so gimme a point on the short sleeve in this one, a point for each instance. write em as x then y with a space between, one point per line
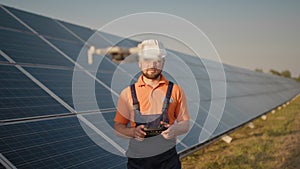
124 109
181 110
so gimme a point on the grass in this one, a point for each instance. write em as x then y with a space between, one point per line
273 143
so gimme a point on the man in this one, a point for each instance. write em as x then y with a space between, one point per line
152 112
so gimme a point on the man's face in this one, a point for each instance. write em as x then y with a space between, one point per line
151 69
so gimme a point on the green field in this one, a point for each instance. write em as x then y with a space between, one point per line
273 143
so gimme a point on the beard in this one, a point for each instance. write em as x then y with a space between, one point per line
152 75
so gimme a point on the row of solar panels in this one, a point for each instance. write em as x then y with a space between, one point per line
39 127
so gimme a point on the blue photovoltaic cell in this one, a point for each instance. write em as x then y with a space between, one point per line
60 82
8 22
107 117
221 128
20 97
71 49
105 122
192 138
237 89
107 70
43 25
204 89
180 147
82 32
99 41
200 72
235 112
59 143
2 59
78 53
118 41
28 48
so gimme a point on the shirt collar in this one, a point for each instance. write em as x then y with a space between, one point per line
141 82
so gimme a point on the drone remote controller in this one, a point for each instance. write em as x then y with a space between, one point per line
150 132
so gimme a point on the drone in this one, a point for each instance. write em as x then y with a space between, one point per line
117 53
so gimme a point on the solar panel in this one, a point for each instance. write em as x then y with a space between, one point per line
60 82
83 33
20 97
43 25
58 143
72 49
8 22
34 134
119 41
28 48
3 60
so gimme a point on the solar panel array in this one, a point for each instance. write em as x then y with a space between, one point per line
39 127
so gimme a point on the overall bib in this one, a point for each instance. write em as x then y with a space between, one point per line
152 152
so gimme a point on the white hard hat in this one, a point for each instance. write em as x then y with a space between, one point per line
152 49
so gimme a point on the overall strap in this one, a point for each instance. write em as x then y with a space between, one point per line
166 103
135 101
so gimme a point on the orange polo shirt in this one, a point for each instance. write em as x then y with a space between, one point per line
151 101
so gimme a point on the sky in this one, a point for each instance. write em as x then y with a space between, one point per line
249 34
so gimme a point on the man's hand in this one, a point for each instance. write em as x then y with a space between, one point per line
175 129
169 133
138 133
130 132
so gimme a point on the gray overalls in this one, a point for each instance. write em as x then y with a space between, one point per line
153 152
